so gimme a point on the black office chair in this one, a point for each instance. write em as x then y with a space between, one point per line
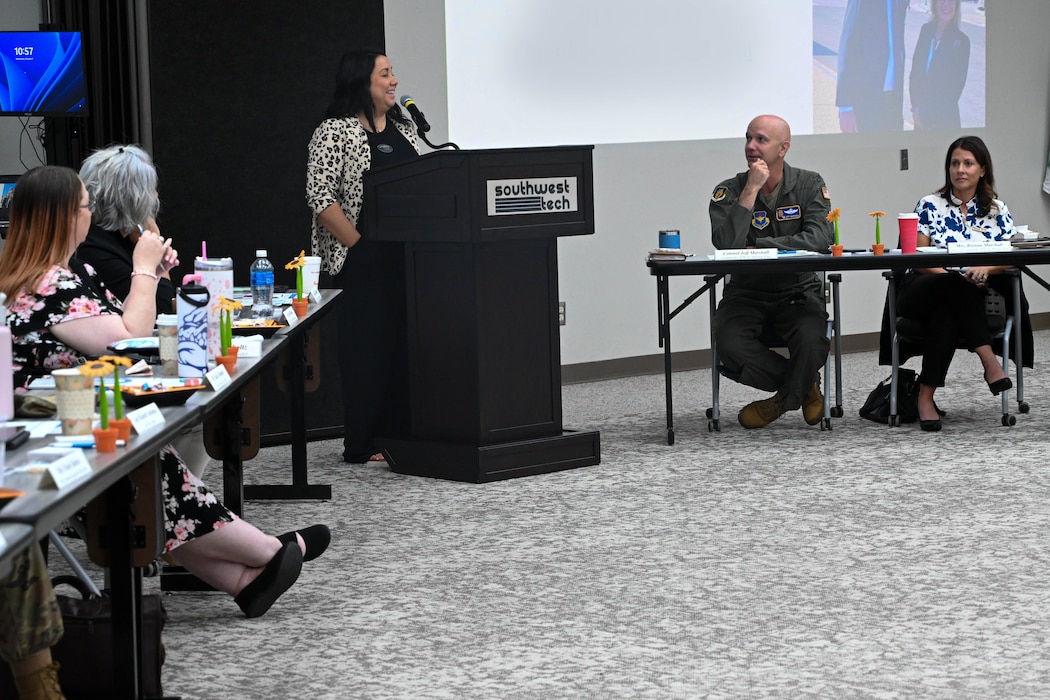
833 333
1005 329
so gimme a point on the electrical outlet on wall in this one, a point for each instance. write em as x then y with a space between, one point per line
561 313
904 159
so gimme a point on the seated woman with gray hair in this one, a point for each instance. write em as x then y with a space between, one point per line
122 182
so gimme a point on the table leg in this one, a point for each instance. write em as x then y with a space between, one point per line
664 320
125 590
295 363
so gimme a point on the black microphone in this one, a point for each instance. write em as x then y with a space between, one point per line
421 122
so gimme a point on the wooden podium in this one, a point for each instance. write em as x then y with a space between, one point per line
480 230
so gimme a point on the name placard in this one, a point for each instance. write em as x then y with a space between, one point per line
146 418
980 246
218 378
289 316
315 296
62 466
746 254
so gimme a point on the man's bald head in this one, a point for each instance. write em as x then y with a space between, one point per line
768 138
773 125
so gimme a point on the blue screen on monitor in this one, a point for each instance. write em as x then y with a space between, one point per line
42 74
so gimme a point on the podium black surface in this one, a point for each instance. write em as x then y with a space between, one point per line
480 231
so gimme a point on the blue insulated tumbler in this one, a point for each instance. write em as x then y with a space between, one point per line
670 240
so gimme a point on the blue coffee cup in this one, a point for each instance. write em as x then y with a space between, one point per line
671 240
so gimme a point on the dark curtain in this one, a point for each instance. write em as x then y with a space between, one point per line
111 67
235 88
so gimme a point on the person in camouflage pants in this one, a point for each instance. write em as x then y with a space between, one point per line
30 624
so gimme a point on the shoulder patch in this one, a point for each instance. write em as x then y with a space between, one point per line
759 220
719 194
824 191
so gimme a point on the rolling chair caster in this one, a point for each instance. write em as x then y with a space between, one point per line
1009 420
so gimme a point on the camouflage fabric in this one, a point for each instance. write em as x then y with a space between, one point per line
30 620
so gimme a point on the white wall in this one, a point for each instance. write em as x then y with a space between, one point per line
641 188
19 15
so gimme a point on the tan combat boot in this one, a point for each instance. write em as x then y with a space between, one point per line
41 684
813 405
759 414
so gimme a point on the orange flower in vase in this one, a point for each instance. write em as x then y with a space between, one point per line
225 308
878 248
833 216
299 303
105 436
119 421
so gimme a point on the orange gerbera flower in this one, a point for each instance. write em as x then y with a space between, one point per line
297 262
116 360
96 368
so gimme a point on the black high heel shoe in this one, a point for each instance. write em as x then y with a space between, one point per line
1000 385
930 426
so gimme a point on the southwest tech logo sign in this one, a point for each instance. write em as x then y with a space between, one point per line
542 195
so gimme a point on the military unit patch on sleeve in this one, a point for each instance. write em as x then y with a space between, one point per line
719 194
824 191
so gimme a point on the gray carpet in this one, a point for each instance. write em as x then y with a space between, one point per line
864 562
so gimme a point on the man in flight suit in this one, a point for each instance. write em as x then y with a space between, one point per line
773 205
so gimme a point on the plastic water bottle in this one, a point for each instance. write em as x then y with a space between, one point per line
262 285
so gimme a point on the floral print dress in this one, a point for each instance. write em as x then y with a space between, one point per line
67 293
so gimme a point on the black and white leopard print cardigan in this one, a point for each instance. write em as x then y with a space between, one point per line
339 158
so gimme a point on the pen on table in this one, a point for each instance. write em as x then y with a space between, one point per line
91 445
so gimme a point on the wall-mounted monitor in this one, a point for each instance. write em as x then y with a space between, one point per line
42 74
7 188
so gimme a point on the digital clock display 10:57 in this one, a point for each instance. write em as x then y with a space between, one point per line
24 51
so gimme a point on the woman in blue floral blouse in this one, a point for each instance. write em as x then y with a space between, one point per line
951 303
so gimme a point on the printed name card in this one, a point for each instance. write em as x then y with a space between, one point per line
218 379
980 246
315 296
62 466
746 254
146 418
289 317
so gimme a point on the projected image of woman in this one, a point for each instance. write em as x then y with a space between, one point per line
363 128
939 67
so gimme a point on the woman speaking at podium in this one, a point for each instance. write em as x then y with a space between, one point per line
363 128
